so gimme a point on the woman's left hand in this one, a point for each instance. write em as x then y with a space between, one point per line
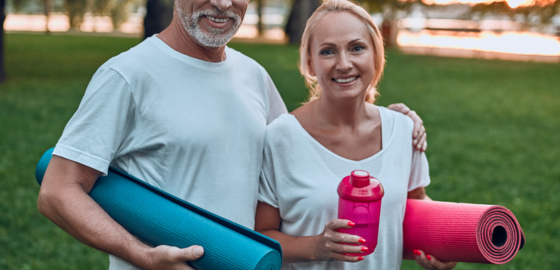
419 133
431 263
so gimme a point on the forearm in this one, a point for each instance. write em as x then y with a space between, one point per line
294 249
418 194
72 209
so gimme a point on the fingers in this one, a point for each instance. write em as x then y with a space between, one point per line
332 235
421 143
399 107
186 254
346 258
430 262
336 224
442 265
418 124
421 259
344 248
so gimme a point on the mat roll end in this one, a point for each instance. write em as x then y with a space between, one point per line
42 165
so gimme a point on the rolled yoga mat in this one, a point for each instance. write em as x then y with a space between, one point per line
159 218
461 232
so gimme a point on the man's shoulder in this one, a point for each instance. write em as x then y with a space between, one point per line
242 59
133 59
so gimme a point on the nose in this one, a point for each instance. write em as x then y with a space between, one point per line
221 5
343 63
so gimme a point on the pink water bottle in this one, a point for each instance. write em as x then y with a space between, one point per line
360 201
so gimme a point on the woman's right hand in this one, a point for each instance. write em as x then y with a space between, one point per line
328 246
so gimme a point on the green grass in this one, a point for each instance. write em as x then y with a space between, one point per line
493 130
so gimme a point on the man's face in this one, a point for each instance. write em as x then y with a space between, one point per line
212 23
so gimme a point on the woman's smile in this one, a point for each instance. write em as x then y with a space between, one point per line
346 80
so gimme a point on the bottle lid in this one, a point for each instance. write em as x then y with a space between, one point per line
360 186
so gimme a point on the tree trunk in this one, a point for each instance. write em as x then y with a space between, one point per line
389 31
301 11
260 30
47 10
2 18
159 14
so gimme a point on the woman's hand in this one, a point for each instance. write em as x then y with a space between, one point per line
328 246
419 133
431 263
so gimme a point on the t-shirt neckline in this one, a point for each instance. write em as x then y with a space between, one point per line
209 66
387 139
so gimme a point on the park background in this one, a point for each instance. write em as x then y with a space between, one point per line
484 76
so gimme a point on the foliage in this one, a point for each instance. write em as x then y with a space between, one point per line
19 4
389 8
541 12
101 7
119 12
75 9
492 129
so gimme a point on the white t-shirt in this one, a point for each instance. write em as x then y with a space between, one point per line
300 177
193 128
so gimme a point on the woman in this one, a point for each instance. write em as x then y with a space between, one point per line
338 131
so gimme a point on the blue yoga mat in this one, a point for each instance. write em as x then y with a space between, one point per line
159 218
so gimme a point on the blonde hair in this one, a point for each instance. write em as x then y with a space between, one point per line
378 50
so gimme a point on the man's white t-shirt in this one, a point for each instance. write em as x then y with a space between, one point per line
300 177
193 128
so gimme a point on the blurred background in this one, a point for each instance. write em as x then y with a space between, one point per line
484 76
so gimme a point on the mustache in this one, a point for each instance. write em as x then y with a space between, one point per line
216 13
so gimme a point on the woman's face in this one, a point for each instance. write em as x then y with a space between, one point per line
341 56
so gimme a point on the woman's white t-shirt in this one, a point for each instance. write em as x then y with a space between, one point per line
300 177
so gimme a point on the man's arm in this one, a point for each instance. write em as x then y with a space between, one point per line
64 200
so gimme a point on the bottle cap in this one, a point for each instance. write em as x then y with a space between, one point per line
360 186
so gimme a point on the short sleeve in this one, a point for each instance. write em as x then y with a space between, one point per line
267 191
267 181
420 171
276 106
96 131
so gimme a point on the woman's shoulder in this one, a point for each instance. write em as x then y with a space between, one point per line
282 128
396 119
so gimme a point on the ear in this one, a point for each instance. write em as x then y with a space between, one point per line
310 67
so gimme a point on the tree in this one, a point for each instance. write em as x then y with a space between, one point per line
159 14
100 8
119 13
301 11
260 28
2 19
75 9
390 10
538 14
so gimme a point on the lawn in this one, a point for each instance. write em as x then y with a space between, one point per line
493 127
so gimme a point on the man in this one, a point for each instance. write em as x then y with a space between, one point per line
182 112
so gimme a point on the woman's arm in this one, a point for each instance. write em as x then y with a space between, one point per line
323 247
419 194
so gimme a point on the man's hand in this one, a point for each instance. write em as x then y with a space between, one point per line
173 258
419 132
431 263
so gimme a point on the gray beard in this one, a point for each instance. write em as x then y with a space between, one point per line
212 37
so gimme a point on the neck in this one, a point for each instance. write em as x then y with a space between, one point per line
176 37
348 113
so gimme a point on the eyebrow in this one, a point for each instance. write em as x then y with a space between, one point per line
332 44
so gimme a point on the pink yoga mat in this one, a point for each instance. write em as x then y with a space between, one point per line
461 232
